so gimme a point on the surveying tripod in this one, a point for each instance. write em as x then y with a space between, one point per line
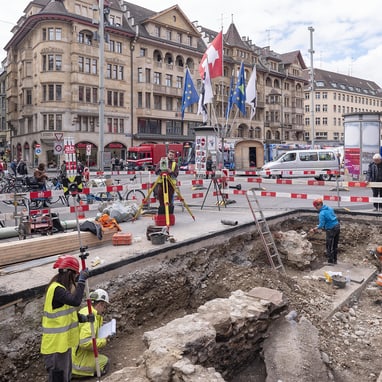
166 181
220 196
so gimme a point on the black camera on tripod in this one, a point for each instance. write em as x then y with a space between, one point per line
73 188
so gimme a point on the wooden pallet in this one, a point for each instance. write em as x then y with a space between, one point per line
35 248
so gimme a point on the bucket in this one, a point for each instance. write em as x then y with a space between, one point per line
158 237
339 281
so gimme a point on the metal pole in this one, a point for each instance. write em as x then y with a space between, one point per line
311 51
101 116
132 49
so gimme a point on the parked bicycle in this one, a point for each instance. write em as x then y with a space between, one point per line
132 192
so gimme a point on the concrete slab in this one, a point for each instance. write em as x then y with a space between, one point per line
360 277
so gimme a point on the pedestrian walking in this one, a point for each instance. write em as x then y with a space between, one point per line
60 331
327 221
374 174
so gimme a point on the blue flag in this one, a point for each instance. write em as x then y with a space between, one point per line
238 96
190 95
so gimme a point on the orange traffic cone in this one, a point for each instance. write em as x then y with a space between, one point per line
379 279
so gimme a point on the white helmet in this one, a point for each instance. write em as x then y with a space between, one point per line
99 295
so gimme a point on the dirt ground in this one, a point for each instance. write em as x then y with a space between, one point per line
350 341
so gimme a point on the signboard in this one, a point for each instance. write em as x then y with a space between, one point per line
88 150
59 136
37 149
70 149
58 147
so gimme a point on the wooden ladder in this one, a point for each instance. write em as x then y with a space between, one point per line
264 231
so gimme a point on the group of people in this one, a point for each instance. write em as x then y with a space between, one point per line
19 167
67 342
116 163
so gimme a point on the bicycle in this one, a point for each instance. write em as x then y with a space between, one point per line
133 192
52 184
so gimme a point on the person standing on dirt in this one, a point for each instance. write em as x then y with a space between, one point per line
83 355
60 331
172 171
327 220
374 174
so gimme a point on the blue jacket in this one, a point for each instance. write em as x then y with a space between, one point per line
327 219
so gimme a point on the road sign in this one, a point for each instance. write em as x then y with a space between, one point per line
37 149
88 150
59 136
58 147
70 149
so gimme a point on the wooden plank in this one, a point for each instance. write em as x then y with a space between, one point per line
25 250
19 267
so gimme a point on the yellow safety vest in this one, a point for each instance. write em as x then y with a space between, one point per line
59 326
83 361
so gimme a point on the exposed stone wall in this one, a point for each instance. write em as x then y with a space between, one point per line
210 344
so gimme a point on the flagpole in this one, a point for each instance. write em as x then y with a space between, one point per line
223 127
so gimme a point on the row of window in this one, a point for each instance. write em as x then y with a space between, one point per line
317 121
346 98
89 94
168 34
53 122
53 62
86 94
336 109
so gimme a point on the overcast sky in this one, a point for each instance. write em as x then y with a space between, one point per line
347 36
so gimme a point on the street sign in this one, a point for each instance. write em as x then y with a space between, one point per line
59 136
70 149
58 147
88 150
37 149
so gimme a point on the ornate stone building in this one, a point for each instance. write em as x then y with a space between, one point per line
53 80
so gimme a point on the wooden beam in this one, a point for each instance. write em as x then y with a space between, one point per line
35 248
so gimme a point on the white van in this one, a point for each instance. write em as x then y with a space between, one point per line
294 163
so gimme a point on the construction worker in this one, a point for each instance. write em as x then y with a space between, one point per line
172 170
83 355
60 332
328 221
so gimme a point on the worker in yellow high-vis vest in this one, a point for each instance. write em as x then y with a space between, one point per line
172 171
84 364
60 331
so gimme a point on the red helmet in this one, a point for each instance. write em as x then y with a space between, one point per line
317 202
67 262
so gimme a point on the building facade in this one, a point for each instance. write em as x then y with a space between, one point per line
335 95
53 82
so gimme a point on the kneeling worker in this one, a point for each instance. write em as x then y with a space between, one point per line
83 359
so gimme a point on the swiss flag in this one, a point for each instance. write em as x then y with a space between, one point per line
214 58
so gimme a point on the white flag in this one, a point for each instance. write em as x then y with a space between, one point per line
250 92
206 95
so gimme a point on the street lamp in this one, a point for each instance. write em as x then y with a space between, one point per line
101 115
311 51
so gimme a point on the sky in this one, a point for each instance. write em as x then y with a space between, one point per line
347 35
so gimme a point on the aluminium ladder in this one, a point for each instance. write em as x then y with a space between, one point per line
264 231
